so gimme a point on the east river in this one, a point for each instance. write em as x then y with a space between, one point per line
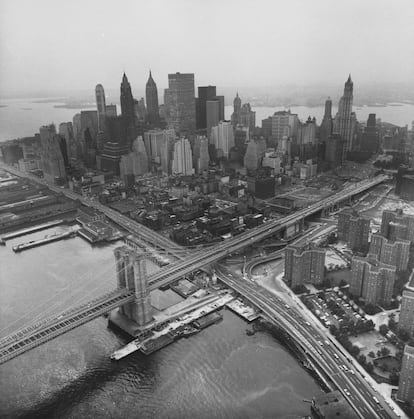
219 373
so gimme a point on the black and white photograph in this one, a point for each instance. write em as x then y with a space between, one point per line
206 209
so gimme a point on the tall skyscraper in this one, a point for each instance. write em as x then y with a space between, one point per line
179 100
160 146
236 110
304 265
134 163
101 106
212 114
370 137
51 155
222 137
406 384
151 95
354 230
127 103
182 158
205 93
325 130
343 120
406 318
200 154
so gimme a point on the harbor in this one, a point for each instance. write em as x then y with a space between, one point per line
32 229
47 239
183 326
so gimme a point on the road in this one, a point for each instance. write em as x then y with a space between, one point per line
330 358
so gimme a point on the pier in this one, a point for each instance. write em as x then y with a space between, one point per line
45 240
32 229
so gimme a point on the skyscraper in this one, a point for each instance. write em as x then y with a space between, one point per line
223 138
406 384
180 103
354 230
151 95
182 158
406 318
160 145
101 106
325 129
343 120
304 265
236 110
127 103
212 114
200 154
395 253
51 155
205 93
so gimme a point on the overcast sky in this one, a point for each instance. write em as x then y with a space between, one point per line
75 44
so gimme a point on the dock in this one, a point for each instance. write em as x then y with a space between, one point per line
32 229
173 329
248 313
45 240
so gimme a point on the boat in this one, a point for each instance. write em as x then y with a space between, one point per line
189 331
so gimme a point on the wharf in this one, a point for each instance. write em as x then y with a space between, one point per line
207 320
45 240
32 229
247 312
174 327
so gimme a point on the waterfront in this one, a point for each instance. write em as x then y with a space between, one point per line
23 117
218 373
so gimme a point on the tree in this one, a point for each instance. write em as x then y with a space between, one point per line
355 351
369 367
394 378
403 335
385 351
362 359
333 329
371 354
383 329
392 324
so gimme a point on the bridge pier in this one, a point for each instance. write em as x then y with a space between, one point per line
132 275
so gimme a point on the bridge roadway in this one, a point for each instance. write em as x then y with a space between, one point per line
324 353
25 339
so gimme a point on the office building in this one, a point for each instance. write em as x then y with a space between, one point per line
371 280
353 230
247 117
127 103
235 117
212 115
370 136
134 163
252 156
179 100
404 186
325 130
111 110
304 265
66 131
307 132
160 146
151 95
182 163
406 384
343 119
335 151
101 106
406 317
222 137
395 253
200 154
284 124
111 157
51 156
205 94
397 225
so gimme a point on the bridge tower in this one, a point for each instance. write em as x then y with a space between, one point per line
132 274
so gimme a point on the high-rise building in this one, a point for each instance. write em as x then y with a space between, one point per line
247 117
222 137
111 110
179 100
304 265
205 93
66 131
200 154
160 146
354 230
182 158
140 111
406 317
212 114
111 157
370 136
397 225
371 280
343 119
284 124
127 103
325 130
151 95
51 155
406 384
101 106
136 162
404 186
252 156
395 253
235 117
335 150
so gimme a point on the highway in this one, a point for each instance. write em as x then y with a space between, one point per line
323 352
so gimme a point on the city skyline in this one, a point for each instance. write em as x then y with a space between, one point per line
313 46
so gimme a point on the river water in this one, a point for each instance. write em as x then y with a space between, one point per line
219 373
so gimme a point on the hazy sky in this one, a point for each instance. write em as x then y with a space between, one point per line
75 44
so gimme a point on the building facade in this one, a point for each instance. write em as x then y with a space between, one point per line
182 158
395 253
354 230
151 96
406 317
343 119
406 384
101 106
